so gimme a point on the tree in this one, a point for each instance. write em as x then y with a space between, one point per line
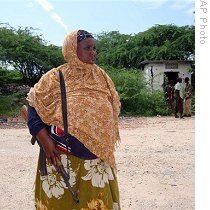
31 56
112 49
27 53
160 42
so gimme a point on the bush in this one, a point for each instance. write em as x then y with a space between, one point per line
136 98
9 76
10 104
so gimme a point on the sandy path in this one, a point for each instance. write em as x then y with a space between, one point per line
155 165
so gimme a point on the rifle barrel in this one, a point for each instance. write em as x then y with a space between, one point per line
66 177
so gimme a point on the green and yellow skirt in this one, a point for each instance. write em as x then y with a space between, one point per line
94 180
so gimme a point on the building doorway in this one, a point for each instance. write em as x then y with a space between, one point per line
170 76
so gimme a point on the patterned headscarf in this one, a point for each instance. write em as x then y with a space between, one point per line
92 102
81 35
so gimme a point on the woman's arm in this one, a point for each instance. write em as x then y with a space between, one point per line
39 129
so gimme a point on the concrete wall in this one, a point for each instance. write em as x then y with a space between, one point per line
158 73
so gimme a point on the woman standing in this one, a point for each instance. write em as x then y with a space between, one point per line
93 107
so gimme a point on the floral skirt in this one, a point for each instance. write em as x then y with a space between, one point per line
94 180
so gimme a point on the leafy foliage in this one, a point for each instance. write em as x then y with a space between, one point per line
7 77
10 104
136 98
160 42
27 53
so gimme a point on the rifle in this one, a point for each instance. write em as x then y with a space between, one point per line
42 160
66 177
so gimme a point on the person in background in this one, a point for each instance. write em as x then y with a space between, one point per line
93 107
169 96
179 96
187 98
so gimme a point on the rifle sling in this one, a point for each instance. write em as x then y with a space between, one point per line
63 173
64 105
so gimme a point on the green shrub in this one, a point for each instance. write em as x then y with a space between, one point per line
10 104
136 98
9 76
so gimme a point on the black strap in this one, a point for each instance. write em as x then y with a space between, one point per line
64 104
64 174
64 113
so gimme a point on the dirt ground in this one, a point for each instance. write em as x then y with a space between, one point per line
155 164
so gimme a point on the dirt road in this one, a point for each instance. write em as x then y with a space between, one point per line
155 165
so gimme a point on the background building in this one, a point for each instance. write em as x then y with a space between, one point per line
159 72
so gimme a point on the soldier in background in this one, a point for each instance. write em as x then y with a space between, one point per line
169 96
179 96
187 98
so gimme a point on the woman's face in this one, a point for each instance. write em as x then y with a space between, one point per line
86 50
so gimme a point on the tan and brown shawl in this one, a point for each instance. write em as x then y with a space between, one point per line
92 102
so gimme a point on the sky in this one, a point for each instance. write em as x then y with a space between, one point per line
54 18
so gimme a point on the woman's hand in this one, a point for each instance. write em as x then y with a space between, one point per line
48 146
